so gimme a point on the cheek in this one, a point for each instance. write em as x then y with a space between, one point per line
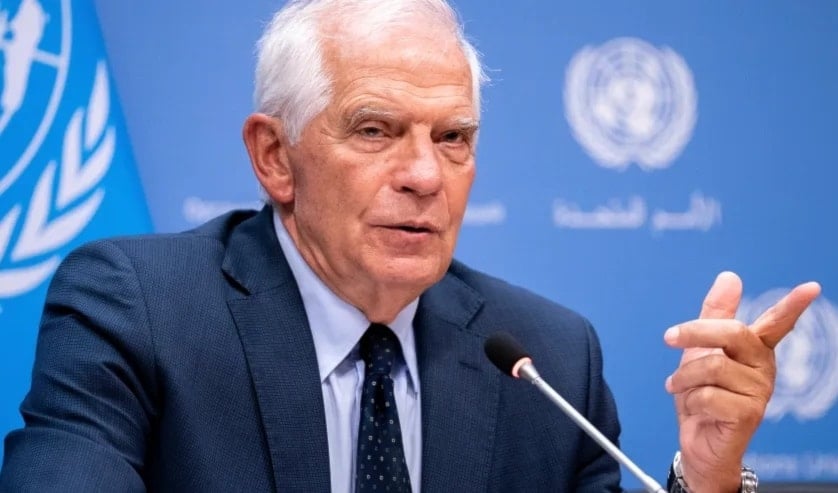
337 197
318 196
322 180
458 189
352 175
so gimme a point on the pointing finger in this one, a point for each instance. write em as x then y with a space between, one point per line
723 298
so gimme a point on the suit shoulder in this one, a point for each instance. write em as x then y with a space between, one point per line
563 342
206 238
185 255
517 303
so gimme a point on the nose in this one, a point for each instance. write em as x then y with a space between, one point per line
421 170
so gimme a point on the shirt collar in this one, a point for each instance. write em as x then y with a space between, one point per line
337 326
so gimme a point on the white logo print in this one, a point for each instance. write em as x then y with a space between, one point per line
52 215
807 369
629 102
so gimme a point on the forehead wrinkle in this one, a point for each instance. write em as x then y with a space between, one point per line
353 63
386 100
399 98
381 80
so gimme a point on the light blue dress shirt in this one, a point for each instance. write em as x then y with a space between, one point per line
337 327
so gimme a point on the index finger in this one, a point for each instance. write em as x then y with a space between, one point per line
778 320
723 298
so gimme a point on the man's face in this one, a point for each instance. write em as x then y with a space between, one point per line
381 177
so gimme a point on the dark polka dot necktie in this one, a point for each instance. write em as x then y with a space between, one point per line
381 464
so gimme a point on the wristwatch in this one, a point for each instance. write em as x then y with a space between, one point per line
676 483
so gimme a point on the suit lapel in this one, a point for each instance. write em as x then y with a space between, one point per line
460 390
280 355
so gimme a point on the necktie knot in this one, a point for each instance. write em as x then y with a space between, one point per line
379 349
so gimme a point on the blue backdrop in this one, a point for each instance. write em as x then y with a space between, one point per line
629 152
67 175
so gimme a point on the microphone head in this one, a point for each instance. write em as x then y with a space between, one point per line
505 353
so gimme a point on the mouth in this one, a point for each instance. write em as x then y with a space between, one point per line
409 238
414 228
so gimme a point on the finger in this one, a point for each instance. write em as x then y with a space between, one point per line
724 406
778 320
723 298
733 337
719 371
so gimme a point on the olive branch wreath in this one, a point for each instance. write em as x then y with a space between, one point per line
656 154
86 156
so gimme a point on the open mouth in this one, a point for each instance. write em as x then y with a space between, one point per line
413 229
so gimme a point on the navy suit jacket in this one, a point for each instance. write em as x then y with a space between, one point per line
185 363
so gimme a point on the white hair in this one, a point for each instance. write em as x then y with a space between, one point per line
291 80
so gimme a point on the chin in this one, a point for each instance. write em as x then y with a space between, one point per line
412 273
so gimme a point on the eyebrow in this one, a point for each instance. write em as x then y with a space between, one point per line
367 113
464 124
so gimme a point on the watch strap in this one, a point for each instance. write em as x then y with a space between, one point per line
675 481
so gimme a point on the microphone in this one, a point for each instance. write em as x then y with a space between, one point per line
511 358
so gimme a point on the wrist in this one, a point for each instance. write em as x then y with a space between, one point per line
743 481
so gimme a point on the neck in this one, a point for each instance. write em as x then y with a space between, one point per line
379 302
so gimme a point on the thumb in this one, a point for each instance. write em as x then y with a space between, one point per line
778 320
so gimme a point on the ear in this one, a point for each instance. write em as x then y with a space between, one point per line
264 137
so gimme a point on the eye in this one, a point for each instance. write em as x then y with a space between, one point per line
454 137
370 132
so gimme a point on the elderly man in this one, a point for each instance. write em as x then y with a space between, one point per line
329 342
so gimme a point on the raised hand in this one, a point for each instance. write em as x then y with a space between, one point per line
725 379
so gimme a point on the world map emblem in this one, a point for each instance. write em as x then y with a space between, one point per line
56 143
807 369
630 102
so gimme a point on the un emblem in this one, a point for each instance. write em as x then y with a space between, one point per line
62 160
807 369
629 102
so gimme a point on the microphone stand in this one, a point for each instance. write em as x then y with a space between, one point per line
528 372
